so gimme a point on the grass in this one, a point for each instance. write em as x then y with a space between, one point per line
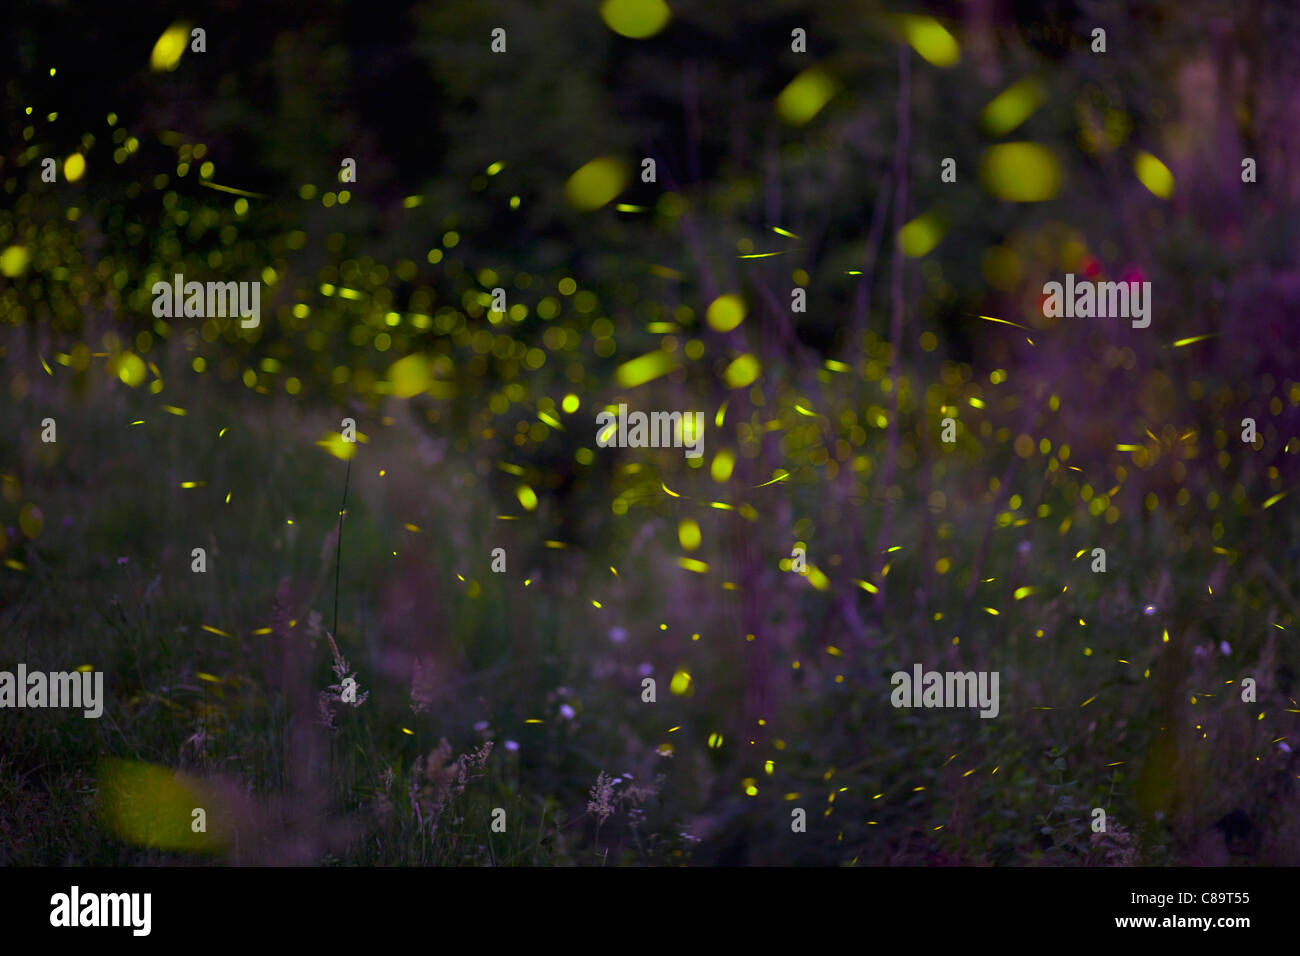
217 675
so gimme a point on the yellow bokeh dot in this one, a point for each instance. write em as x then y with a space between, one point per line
805 96
930 39
170 47
14 260
921 235
596 183
742 371
1021 172
131 369
723 462
635 19
527 497
1154 175
74 167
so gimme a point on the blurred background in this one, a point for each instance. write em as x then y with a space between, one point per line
791 146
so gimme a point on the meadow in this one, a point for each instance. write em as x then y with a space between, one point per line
481 634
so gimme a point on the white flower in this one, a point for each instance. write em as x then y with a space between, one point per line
512 745
1224 649
567 712
618 635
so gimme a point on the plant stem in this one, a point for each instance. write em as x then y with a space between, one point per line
338 545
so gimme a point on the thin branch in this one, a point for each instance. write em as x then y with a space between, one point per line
862 300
